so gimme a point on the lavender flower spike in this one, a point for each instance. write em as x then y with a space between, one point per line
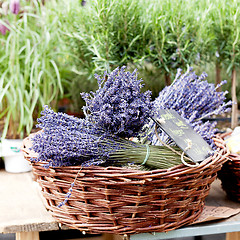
195 99
15 6
119 106
3 29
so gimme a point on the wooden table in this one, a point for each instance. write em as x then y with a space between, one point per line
22 212
21 208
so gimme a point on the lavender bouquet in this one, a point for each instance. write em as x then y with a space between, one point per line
118 106
67 141
194 98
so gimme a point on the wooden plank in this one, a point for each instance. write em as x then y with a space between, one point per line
233 236
121 237
107 236
27 236
21 208
91 237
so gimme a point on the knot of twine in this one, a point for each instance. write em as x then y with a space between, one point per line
189 142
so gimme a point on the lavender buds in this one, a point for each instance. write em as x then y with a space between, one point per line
118 106
67 141
194 98
118 110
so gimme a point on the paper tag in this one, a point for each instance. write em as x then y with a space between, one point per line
183 135
211 213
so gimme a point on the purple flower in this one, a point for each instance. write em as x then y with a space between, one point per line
195 99
190 94
15 6
3 28
68 141
83 3
68 195
118 106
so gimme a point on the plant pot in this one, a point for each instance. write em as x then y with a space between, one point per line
10 150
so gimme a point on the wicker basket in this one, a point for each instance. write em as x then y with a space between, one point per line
230 175
126 201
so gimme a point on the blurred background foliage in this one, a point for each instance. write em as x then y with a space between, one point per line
61 45
155 38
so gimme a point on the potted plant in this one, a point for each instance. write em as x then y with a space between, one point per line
29 74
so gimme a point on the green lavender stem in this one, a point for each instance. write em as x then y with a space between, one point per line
160 157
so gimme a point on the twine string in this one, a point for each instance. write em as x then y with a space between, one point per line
189 142
180 154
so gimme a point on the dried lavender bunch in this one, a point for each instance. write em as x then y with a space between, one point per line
191 94
66 140
118 106
194 98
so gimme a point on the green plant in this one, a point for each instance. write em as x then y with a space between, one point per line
224 45
31 54
173 31
108 34
155 38
102 35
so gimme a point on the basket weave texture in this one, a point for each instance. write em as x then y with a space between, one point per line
230 175
126 201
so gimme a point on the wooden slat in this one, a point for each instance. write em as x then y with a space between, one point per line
107 236
27 236
21 208
233 236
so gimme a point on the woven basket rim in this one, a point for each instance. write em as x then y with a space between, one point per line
220 155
